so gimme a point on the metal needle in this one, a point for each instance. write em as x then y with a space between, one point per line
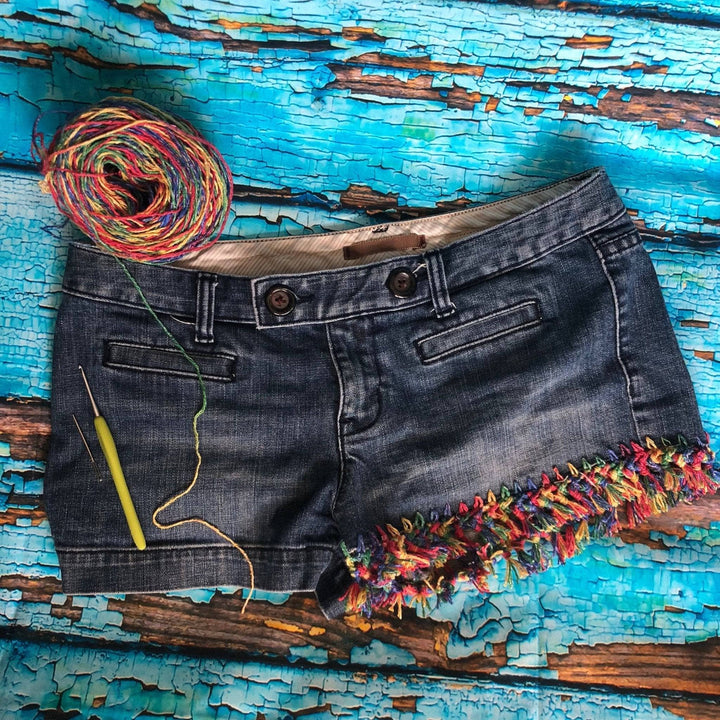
89 451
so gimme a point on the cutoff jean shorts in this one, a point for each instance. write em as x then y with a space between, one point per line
392 412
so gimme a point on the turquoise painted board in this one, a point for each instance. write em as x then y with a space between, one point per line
333 115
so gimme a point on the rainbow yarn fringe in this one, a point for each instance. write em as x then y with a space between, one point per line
138 181
428 558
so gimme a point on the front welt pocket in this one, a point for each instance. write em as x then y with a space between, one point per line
168 361
480 330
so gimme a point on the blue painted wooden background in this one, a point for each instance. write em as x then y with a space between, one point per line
333 114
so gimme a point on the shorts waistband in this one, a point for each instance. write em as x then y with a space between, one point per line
575 207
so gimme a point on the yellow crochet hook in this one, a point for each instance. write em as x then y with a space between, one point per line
107 445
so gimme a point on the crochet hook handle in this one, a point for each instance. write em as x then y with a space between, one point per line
107 444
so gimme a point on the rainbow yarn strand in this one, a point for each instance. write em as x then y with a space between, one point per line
138 181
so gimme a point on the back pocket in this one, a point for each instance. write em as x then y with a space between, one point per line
479 330
168 361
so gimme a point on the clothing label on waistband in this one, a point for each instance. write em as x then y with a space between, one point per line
404 241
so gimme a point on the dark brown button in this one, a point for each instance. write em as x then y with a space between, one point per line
280 300
401 283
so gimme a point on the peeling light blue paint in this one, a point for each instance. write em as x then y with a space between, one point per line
611 593
110 685
310 653
378 653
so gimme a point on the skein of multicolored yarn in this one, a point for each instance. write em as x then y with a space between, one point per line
138 181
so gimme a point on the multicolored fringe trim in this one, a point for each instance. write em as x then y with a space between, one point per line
428 558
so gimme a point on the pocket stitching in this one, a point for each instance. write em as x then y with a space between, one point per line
108 362
426 358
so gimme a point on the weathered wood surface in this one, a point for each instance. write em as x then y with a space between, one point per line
332 115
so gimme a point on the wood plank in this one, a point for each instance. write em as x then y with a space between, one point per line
661 667
689 709
218 627
25 425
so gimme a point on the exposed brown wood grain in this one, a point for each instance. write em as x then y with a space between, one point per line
179 622
704 355
417 62
163 24
700 513
39 48
78 54
25 425
362 196
271 28
667 110
374 203
408 704
695 323
11 515
689 710
415 88
218 625
637 10
362 33
590 41
694 667
349 33
33 62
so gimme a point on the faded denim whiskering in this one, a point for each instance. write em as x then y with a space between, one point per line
390 409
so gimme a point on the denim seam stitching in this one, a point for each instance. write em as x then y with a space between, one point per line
618 352
350 316
137 306
442 304
340 443
107 362
196 546
263 326
529 261
199 314
205 308
610 248
496 313
449 306
426 359
172 351
162 371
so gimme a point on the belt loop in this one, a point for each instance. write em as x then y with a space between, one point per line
205 308
442 305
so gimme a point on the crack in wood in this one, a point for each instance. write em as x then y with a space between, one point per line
414 62
636 11
667 109
416 88
164 25
80 54
689 709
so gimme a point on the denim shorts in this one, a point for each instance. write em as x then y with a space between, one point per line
392 411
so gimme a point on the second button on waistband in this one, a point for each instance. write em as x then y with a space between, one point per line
280 300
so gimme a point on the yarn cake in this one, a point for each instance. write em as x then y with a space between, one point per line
140 182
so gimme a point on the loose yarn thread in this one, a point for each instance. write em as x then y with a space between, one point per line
198 454
144 185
